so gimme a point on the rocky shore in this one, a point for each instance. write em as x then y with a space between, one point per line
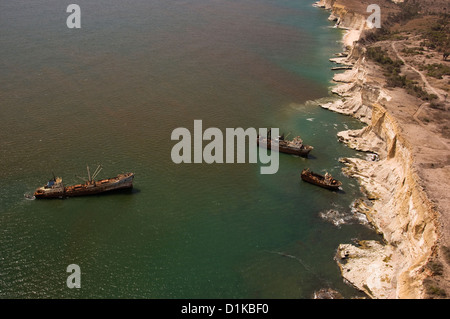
397 204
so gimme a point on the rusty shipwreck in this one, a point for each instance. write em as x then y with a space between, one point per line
325 181
56 189
294 146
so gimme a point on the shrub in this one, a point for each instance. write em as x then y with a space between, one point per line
436 291
438 36
436 267
392 73
445 249
437 70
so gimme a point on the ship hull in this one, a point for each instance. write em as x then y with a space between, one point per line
94 190
120 182
59 194
303 152
318 180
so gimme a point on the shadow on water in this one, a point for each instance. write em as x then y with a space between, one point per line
124 192
307 157
337 191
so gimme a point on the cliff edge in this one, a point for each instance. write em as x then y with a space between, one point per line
405 181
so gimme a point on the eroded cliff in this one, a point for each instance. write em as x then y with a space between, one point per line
398 207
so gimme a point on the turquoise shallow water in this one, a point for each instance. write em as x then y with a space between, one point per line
111 93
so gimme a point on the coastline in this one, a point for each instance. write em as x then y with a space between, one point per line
396 203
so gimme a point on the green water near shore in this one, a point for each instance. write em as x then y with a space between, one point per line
112 93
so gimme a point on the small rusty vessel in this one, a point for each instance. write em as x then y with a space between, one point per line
294 146
325 181
56 189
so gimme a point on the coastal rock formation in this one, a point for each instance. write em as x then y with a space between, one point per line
353 22
327 293
371 260
356 93
400 210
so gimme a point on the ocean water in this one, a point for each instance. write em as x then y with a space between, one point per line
111 93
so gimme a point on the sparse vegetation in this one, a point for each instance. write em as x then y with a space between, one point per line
437 106
413 51
382 34
437 37
378 55
392 72
423 28
445 249
436 268
408 10
435 291
436 70
387 259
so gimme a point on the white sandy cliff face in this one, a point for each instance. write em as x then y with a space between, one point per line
400 209
353 22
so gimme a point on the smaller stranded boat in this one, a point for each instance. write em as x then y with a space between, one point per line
294 146
325 181
56 189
